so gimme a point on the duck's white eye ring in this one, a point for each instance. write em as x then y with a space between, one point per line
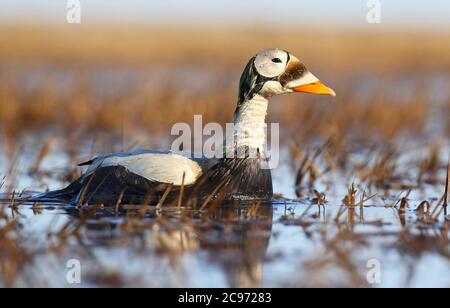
270 63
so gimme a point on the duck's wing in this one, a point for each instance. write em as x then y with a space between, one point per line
163 167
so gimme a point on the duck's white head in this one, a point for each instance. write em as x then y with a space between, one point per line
271 72
275 71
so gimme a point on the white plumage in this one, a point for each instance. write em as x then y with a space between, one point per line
307 78
250 126
266 66
157 166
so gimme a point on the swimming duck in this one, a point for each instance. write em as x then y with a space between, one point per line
149 176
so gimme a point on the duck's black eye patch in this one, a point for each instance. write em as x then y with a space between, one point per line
277 60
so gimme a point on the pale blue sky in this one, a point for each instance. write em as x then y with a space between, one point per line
410 13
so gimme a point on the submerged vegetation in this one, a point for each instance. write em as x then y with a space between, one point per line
367 175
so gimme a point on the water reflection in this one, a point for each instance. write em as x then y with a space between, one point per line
235 237
284 243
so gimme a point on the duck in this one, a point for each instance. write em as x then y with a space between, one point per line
242 173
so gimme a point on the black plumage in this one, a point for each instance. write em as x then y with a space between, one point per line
229 179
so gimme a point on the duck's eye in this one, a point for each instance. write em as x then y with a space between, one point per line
277 60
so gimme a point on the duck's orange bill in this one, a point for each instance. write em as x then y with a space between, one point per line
315 88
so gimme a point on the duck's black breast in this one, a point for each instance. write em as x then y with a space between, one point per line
237 178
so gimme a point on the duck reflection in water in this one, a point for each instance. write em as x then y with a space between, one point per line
234 236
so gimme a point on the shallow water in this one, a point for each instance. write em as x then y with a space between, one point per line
285 243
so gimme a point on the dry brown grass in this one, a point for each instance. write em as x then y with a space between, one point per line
342 55
220 47
301 116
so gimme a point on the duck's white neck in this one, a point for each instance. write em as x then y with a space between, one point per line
250 126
